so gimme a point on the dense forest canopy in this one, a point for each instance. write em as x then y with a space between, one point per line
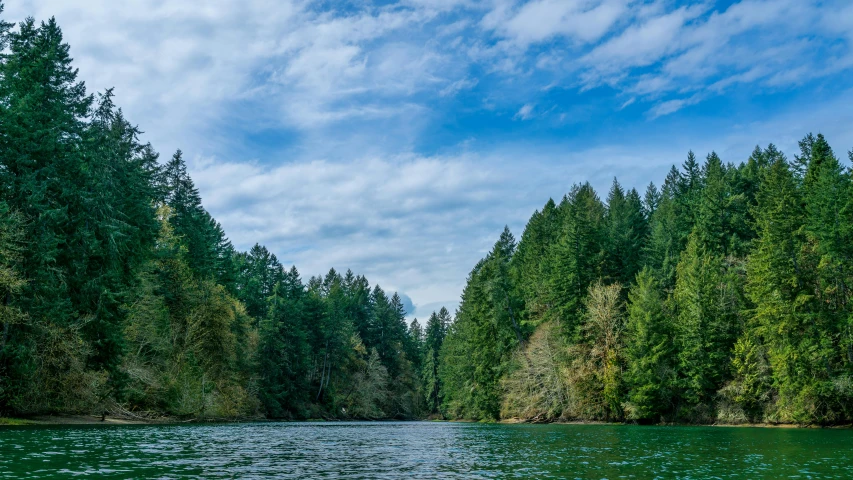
121 293
724 295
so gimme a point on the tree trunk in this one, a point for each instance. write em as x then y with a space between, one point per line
323 374
5 337
514 323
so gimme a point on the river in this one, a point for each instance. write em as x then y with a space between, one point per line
422 450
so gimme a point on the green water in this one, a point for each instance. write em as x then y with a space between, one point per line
422 450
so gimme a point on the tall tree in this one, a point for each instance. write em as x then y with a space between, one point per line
531 263
707 301
625 234
779 285
576 255
436 329
649 352
284 350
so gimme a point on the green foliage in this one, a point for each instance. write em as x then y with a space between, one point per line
189 340
531 263
436 331
576 255
120 292
625 234
488 318
738 305
649 352
598 358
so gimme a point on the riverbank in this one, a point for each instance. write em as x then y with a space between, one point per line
123 420
515 421
80 420
112 420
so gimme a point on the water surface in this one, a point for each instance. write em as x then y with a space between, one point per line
422 450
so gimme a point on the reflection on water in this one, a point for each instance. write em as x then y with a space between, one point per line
422 450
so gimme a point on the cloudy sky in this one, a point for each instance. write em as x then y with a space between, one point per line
397 138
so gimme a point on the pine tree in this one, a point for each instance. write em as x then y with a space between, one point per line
576 256
665 238
488 336
284 350
209 252
712 223
531 264
260 271
708 303
625 235
651 200
649 352
414 347
436 329
779 276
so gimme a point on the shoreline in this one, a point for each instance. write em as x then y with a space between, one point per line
86 420
57 420
516 421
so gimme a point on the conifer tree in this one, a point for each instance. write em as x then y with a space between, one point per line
625 235
576 256
778 284
649 352
436 329
707 301
284 350
531 264
665 240
414 347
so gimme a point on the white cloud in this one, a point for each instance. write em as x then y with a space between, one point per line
628 103
458 86
642 44
525 112
351 92
538 20
670 106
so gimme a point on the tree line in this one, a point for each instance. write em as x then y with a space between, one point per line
119 292
722 296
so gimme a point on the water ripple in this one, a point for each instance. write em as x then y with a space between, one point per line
385 450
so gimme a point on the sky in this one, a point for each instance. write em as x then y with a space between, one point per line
398 138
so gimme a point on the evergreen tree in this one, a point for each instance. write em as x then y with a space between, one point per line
531 263
576 255
284 350
665 240
778 284
625 235
436 329
487 337
650 354
651 200
414 347
707 302
209 253
260 271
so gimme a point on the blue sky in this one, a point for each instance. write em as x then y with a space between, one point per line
397 138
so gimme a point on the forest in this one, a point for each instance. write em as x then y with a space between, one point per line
722 296
122 294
